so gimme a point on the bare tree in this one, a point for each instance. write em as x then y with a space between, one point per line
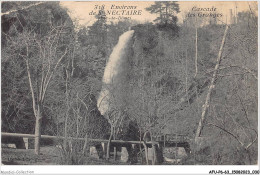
211 86
42 51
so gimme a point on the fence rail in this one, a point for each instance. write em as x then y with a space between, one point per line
32 136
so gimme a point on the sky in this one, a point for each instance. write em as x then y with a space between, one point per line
80 10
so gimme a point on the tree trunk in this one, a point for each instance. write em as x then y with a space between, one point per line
211 86
140 148
114 137
85 144
146 153
115 152
65 141
108 143
153 148
37 135
154 157
65 135
22 8
196 51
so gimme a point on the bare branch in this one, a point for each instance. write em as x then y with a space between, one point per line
22 8
250 144
30 80
206 105
241 67
228 133
47 83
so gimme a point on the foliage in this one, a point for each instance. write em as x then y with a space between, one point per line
26 30
167 20
167 11
158 95
162 76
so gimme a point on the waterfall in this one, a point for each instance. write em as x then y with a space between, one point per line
114 71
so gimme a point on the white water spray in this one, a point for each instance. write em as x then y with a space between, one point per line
112 70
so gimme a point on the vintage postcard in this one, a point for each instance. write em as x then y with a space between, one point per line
129 83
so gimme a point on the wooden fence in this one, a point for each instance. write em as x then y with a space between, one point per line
32 136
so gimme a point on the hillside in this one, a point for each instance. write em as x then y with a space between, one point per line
154 79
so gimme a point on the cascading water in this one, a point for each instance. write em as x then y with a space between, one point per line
114 71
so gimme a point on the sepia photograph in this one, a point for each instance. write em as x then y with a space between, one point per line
166 83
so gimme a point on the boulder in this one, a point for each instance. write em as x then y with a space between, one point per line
93 152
